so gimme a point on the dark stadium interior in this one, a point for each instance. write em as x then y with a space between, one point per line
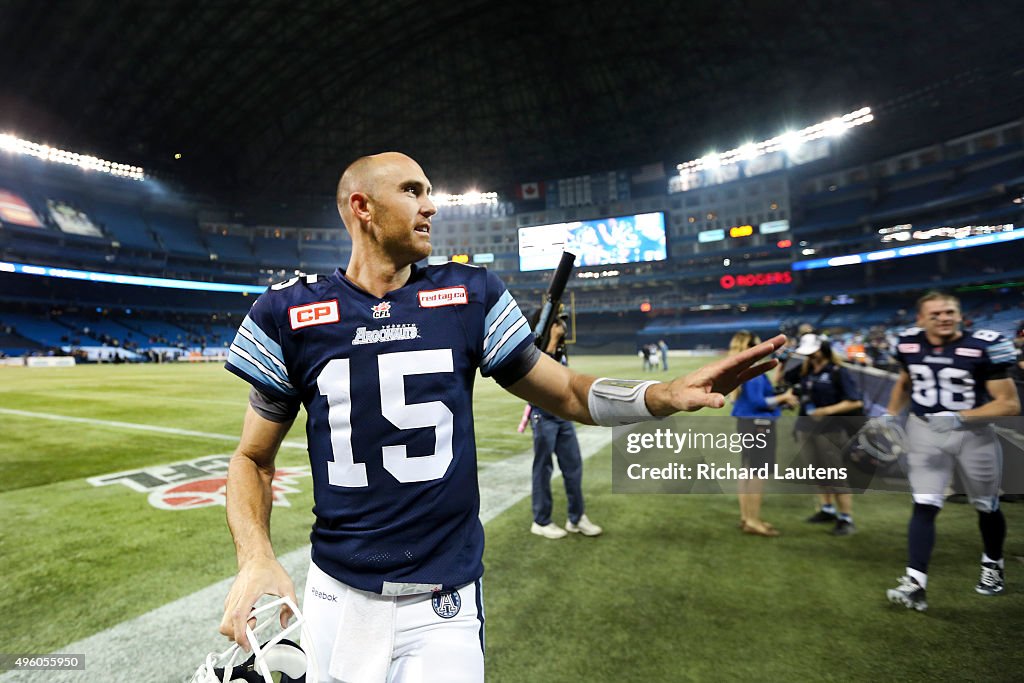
271 98
266 101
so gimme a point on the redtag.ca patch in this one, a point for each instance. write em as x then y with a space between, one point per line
448 296
319 313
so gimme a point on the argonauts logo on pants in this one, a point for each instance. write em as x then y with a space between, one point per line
446 604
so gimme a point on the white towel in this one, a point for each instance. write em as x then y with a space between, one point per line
365 638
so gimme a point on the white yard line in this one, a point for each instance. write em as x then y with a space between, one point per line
240 403
170 642
135 426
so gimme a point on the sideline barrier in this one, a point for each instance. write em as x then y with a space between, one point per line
197 357
50 362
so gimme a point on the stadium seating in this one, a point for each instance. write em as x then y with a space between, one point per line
1011 171
230 248
1005 321
833 215
273 252
149 230
158 332
125 224
13 344
39 330
178 236
316 256
100 330
908 198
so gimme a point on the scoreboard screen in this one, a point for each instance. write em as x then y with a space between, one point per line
603 241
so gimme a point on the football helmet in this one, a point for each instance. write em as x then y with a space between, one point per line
278 655
877 445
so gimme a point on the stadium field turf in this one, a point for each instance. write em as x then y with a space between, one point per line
671 592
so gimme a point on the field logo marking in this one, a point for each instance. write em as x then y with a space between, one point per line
197 483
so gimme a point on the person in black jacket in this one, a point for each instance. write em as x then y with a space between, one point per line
826 391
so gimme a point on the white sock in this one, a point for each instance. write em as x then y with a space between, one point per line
920 577
986 558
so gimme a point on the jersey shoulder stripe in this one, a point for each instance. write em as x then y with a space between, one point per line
253 368
1001 352
260 357
500 318
505 328
506 344
256 338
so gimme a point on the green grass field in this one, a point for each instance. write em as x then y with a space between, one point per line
671 592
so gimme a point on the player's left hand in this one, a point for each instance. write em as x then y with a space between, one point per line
706 387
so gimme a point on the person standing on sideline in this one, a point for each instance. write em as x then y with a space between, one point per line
826 392
553 434
663 347
953 383
383 355
756 408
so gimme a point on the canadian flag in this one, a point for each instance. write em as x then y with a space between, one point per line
530 191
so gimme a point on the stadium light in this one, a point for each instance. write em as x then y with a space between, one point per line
469 198
15 145
912 250
789 140
834 127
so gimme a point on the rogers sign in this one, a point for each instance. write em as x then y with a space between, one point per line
783 277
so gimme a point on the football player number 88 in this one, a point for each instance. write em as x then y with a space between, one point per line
949 388
334 382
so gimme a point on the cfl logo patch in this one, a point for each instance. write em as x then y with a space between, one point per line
446 604
319 313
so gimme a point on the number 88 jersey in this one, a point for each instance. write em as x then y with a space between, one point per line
387 386
952 377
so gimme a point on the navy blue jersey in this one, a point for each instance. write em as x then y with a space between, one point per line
826 388
952 376
387 384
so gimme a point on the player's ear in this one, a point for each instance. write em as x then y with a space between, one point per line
359 205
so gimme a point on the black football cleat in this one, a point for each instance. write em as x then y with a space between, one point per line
909 594
992 580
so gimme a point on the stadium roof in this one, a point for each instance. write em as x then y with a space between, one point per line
273 97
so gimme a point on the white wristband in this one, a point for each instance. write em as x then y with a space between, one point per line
617 402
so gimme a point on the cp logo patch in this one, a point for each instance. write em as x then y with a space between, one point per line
446 604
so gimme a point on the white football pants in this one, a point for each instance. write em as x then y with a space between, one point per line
436 638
